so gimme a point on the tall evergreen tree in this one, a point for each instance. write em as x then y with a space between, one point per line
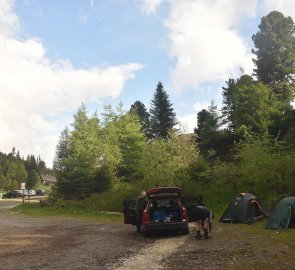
139 108
275 54
62 151
228 110
32 179
208 121
207 127
31 163
162 116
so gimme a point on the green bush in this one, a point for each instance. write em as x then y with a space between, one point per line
111 200
215 196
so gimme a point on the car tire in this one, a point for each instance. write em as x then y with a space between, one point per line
185 231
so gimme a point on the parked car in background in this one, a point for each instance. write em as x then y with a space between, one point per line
164 211
40 192
15 193
31 192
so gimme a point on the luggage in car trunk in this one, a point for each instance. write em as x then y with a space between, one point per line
165 211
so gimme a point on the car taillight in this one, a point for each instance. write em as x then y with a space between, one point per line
145 217
184 215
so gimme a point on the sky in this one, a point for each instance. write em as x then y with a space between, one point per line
57 54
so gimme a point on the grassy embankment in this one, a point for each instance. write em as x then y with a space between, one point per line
45 187
33 209
102 206
99 206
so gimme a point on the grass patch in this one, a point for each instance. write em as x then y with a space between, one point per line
285 236
45 187
35 210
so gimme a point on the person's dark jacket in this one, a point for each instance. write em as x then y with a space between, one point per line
140 204
199 213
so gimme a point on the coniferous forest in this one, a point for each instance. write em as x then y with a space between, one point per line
15 170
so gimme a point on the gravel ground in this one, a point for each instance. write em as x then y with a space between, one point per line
63 243
232 247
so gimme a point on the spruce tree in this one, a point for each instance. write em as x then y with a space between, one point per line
228 110
139 108
62 151
275 54
207 127
162 116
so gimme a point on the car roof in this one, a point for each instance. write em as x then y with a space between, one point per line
164 192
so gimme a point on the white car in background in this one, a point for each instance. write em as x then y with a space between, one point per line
30 192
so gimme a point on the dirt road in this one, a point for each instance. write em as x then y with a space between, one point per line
63 243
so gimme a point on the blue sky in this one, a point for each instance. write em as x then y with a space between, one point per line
57 54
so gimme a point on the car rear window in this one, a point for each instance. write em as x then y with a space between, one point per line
164 203
164 195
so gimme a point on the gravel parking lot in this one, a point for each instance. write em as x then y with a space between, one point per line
68 243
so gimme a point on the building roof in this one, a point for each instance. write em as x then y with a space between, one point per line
187 138
48 178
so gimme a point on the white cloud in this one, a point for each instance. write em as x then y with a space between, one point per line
149 6
187 123
198 106
204 40
35 90
9 23
287 7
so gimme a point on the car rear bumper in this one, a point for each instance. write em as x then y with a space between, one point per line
166 226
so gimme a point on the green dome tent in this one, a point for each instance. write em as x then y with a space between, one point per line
283 215
245 208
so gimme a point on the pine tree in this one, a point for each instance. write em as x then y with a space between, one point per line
207 126
61 152
139 108
162 116
275 54
228 110
32 179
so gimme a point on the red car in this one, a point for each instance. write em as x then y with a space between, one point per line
164 211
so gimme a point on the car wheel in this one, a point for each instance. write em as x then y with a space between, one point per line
185 231
144 233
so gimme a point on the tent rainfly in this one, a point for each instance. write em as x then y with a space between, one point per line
245 208
283 216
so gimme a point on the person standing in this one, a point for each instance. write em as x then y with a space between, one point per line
139 207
